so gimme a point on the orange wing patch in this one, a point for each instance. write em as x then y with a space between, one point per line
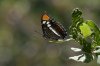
45 17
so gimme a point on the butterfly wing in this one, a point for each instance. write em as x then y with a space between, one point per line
59 29
49 34
51 29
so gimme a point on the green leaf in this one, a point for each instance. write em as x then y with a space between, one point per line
96 31
85 30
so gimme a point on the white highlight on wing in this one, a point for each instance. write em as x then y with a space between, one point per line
48 22
76 49
44 22
53 31
49 25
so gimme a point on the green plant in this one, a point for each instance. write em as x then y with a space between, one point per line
87 34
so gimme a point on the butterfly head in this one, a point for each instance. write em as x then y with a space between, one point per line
45 17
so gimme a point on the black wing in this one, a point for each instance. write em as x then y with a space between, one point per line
59 29
51 34
48 34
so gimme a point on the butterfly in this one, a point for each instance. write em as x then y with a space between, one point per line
51 29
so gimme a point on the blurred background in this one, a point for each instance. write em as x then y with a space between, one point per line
21 41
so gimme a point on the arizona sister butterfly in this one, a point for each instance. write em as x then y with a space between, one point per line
52 30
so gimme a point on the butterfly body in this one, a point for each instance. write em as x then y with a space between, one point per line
52 30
